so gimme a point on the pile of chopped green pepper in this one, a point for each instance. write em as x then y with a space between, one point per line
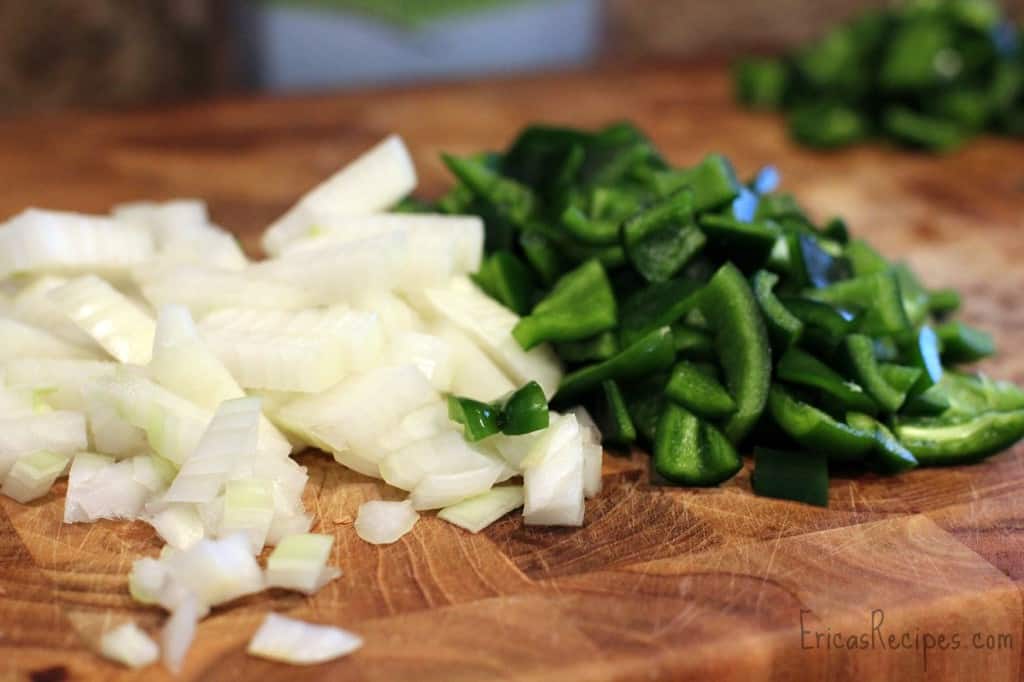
927 74
702 317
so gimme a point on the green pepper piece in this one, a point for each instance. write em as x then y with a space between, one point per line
661 239
800 367
864 259
760 82
930 403
542 255
691 452
816 430
615 152
796 476
510 199
525 410
860 354
943 301
878 294
645 400
746 244
506 279
713 182
914 54
817 267
655 306
960 439
923 353
651 353
826 125
698 392
611 256
479 419
741 343
784 327
825 327
962 343
456 201
692 342
837 231
778 207
600 347
918 130
889 454
973 394
914 295
590 230
580 305
899 377
543 156
616 424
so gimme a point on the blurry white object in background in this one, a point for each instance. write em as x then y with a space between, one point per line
293 47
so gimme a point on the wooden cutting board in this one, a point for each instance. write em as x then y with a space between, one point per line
660 583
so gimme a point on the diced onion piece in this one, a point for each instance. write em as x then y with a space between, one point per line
355 415
65 380
395 315
162 218
172 424
490 325
293 641
178 524
445 453
59 432
33 475
340 272
202 289
593 453
474 374
476 513
432 355
24 341
217 571
248 509
553 477
147 580
305 351
109 493
442 490
108 317
185 364
18 402
230 437
55 241
299 562
178 633
381 523
129 645
84 466
420 424
33 305
373 182
111 434
153 472
515 449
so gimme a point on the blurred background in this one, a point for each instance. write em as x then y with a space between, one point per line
109 53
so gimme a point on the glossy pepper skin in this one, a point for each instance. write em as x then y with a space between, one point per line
661 239
650 354
741 343
615 421
525 410
796 476
580 305
479 419
959 439
817 431
507 279
784 327
801 368
699 392
689 451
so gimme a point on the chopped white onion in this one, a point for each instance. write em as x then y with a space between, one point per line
446 453
474 374
108 317
60 432
178 524
33 475
553 477
65 380
129 645
33 305
593 453
299 562
248 509
432 355
110 492
293 641
442 490
373 182
202 289
476 513
381 523
178 633
217 571
25 341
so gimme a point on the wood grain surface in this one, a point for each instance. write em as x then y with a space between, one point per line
659 583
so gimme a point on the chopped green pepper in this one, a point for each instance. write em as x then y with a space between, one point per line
816 430
825 327
889 454
959 439
662 238
860 354
656 306
943 301
797 476
651 353
963 343
510 199
877 294
746 243
542 255
741 342
760 83
691 452
600 232
580 305
506 279
525 410
800 367
599 347
784 327
616 424
692 388
479 419
692 342
923 353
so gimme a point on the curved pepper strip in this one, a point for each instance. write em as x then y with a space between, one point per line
816 430
741 343
616 424
962 343
877 294
800 367
784 327
661 239
507 279
581 304
525 410
699 392
650 354
960 439
689 451
480 419
655 306
860 354
596 348
825 327
889 454
797 476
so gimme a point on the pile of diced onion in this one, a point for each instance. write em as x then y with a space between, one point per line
170 379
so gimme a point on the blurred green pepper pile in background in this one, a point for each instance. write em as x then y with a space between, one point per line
928 74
